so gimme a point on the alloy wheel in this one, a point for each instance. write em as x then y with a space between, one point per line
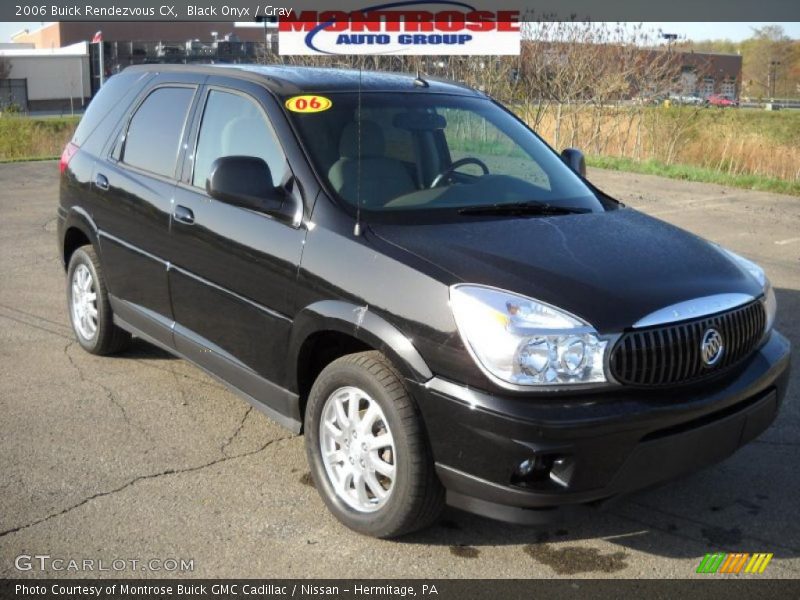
84 302
358 449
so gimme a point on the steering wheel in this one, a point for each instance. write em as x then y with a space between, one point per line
456 165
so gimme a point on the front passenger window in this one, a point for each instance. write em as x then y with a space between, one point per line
234 125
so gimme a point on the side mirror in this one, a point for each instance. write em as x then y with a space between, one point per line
246 181
574 160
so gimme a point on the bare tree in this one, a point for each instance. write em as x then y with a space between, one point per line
767 57
610 89
5 67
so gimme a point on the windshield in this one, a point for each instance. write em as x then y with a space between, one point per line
434 153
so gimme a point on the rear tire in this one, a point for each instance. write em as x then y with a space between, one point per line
89 310
377 475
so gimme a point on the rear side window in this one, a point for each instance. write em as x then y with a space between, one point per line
234 125
107 106
154 134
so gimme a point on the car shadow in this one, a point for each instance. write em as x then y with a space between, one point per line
684 518
142 349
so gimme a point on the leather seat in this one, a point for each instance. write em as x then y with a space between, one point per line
382 178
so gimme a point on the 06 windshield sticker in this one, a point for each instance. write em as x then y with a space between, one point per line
308 104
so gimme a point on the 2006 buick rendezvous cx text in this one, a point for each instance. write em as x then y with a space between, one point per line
407 273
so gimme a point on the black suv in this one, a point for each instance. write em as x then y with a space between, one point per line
401 268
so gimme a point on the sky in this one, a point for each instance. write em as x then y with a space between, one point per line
691 31
733 31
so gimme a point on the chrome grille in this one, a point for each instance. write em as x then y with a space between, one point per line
671 354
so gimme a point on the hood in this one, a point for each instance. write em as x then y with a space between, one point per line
610 268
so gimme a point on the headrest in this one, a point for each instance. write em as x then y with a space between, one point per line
240 136
372 143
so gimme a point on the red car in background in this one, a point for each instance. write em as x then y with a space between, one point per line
721 101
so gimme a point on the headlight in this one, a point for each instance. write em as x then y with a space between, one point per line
522 341
769 302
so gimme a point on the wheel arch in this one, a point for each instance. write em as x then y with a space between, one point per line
357 329
78 230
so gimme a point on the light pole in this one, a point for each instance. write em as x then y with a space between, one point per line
268 49
670 37
773 76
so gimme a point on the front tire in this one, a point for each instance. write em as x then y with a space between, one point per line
89 310
367 449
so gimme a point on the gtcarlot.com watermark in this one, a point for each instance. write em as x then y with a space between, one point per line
45 562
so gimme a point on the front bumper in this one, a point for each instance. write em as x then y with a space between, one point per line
592 447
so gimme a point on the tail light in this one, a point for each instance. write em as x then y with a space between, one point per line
69 151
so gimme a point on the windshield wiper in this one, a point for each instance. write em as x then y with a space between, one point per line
522 209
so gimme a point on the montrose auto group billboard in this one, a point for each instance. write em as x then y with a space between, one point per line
408 28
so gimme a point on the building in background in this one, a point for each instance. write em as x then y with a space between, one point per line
59 34
56 68
706 73
56 79
15 46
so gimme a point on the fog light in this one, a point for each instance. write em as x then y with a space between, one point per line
535 468
544 471
525 468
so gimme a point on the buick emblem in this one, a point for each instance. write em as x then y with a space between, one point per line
711 348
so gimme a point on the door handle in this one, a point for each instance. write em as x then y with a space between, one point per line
184 215
101 181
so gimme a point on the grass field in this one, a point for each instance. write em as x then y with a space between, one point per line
692 173
753 149
27 138
748 148
744 147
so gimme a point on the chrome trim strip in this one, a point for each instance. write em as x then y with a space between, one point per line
171 267
239 297
131 247
692 309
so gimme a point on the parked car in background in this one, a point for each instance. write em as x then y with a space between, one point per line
721 101
649 99
689 99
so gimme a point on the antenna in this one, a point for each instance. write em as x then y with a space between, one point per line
357 228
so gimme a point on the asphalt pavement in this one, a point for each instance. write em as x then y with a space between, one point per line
143 457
